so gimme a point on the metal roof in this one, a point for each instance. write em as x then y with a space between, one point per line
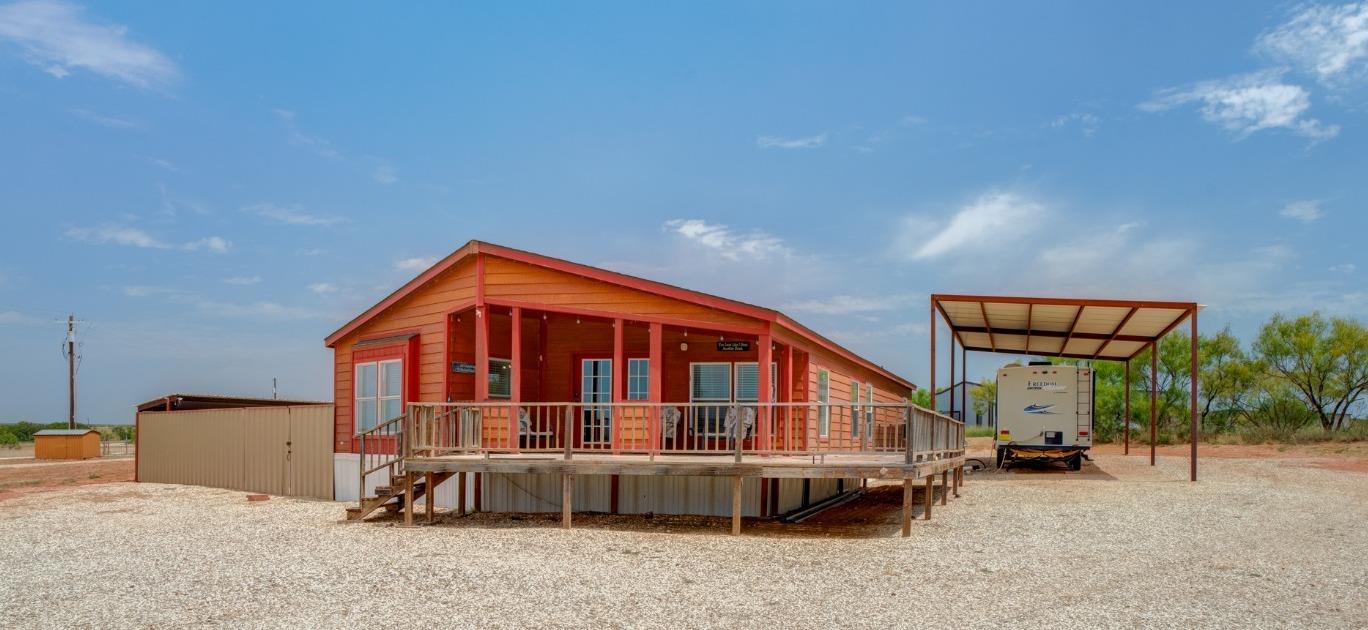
1115 330
65 431
186 402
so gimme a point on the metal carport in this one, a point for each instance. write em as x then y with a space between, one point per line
1096 330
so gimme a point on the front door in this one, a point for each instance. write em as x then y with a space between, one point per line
596 389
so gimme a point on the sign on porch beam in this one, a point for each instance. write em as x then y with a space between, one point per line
733 346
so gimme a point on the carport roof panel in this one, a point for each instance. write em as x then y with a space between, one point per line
1059 327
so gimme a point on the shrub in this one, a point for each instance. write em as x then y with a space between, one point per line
978 432
8 439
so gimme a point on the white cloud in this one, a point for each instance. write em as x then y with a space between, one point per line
1248 103
113 122
242 281
292 214
729 244
385 174
166 164
323 288
780 142
144 291
15 318
213 244
300 139
134 237
414 264
116 235
1306 211
311 251
911 120
992 217
1329 42
1087 123
849 304
257 310
1344 268
57 37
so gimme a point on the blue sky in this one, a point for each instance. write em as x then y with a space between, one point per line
214 187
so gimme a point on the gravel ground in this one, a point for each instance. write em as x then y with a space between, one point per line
1258 543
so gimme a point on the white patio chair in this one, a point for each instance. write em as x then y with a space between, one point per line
669 422
747 422
525 427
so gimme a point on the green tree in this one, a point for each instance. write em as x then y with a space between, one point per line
1228 381
984 396
1325 361
922 398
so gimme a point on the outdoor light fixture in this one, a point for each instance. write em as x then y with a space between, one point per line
683 346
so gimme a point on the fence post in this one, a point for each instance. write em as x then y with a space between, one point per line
737 432
907 431
568 435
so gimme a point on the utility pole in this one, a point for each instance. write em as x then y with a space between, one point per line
273 388
71 371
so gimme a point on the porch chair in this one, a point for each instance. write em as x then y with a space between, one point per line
525 428
669 423
747 422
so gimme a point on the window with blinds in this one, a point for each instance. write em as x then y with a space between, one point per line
710 382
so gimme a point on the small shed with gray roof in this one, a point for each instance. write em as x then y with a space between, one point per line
66 444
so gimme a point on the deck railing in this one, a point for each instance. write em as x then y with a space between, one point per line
658 429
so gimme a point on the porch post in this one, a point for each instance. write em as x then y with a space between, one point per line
515 377
933 354
766 411
655 369
619 381
481 353
786 396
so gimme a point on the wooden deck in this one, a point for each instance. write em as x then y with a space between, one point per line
830 465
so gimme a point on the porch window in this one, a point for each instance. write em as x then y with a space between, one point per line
379 393
869 408
823 402
710 383
638 379
854 408
748 381
500 378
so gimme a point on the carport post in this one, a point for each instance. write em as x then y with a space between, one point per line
567 483
1154 395
1193 401
933 354
1127 417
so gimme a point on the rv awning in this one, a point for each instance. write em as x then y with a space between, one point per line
1114 330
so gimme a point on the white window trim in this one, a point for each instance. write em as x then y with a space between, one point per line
379 397
823 404
645 395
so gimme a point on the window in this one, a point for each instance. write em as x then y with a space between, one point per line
854 408
748 382
500 378
596 394
869 409
823 399
379 393
710 383
638 379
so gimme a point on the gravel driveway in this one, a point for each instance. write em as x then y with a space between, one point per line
1258 543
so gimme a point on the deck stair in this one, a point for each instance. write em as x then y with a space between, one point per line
391 497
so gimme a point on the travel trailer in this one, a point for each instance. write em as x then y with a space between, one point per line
1044 413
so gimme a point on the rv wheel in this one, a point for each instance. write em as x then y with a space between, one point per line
1076 462
1001 455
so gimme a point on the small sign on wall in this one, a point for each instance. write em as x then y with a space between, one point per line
462 368
733 346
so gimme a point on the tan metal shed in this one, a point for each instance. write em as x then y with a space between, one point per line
283 449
